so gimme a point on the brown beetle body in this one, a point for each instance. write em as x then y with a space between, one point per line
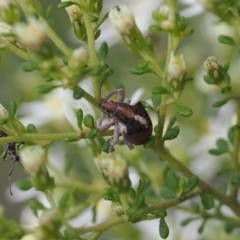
131 121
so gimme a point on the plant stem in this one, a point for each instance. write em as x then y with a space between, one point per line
17 51
93 59
229 201
141 214
236 146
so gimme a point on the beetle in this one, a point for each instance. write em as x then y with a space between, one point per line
10 149
130 121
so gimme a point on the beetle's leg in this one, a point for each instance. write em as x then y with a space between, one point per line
4 155
130 145
120 93
103 127
115 138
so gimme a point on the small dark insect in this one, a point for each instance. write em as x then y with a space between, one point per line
10 149
130 121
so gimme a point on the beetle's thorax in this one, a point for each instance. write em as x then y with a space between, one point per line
110 107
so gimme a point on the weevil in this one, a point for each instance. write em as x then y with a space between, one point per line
10 149
132 122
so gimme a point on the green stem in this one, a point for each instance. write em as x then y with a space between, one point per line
42 137
17 51
229 201
57 40
141 214
209 215
235 154
93 59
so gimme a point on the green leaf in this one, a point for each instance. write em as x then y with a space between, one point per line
12 109
156 99
185 222
31 128
141 185
160 90
191 184
171 122
163 228
92 134
161 213
66 4
201 228
167 193
220 102
93 18
79 118
183 110
150 142
231 132
207 201
172 181
45 88
226 89
35 205
78 92
208 79
24 185
64 201
226 40
29 66
103 51
229 227
88 121
149 46
222 145
104 76
67 166
106 146
97 34
141 68
132 193
215 152
49 10
171 133
140 201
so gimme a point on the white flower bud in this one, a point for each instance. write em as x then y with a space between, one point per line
123 20
78 59
176 68
73 11
211 64
115 170
33 34
33 158
164 10
3 112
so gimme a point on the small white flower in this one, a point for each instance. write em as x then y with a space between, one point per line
33 34
33 158
123 20
177 67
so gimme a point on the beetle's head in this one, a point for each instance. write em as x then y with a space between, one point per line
109 107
